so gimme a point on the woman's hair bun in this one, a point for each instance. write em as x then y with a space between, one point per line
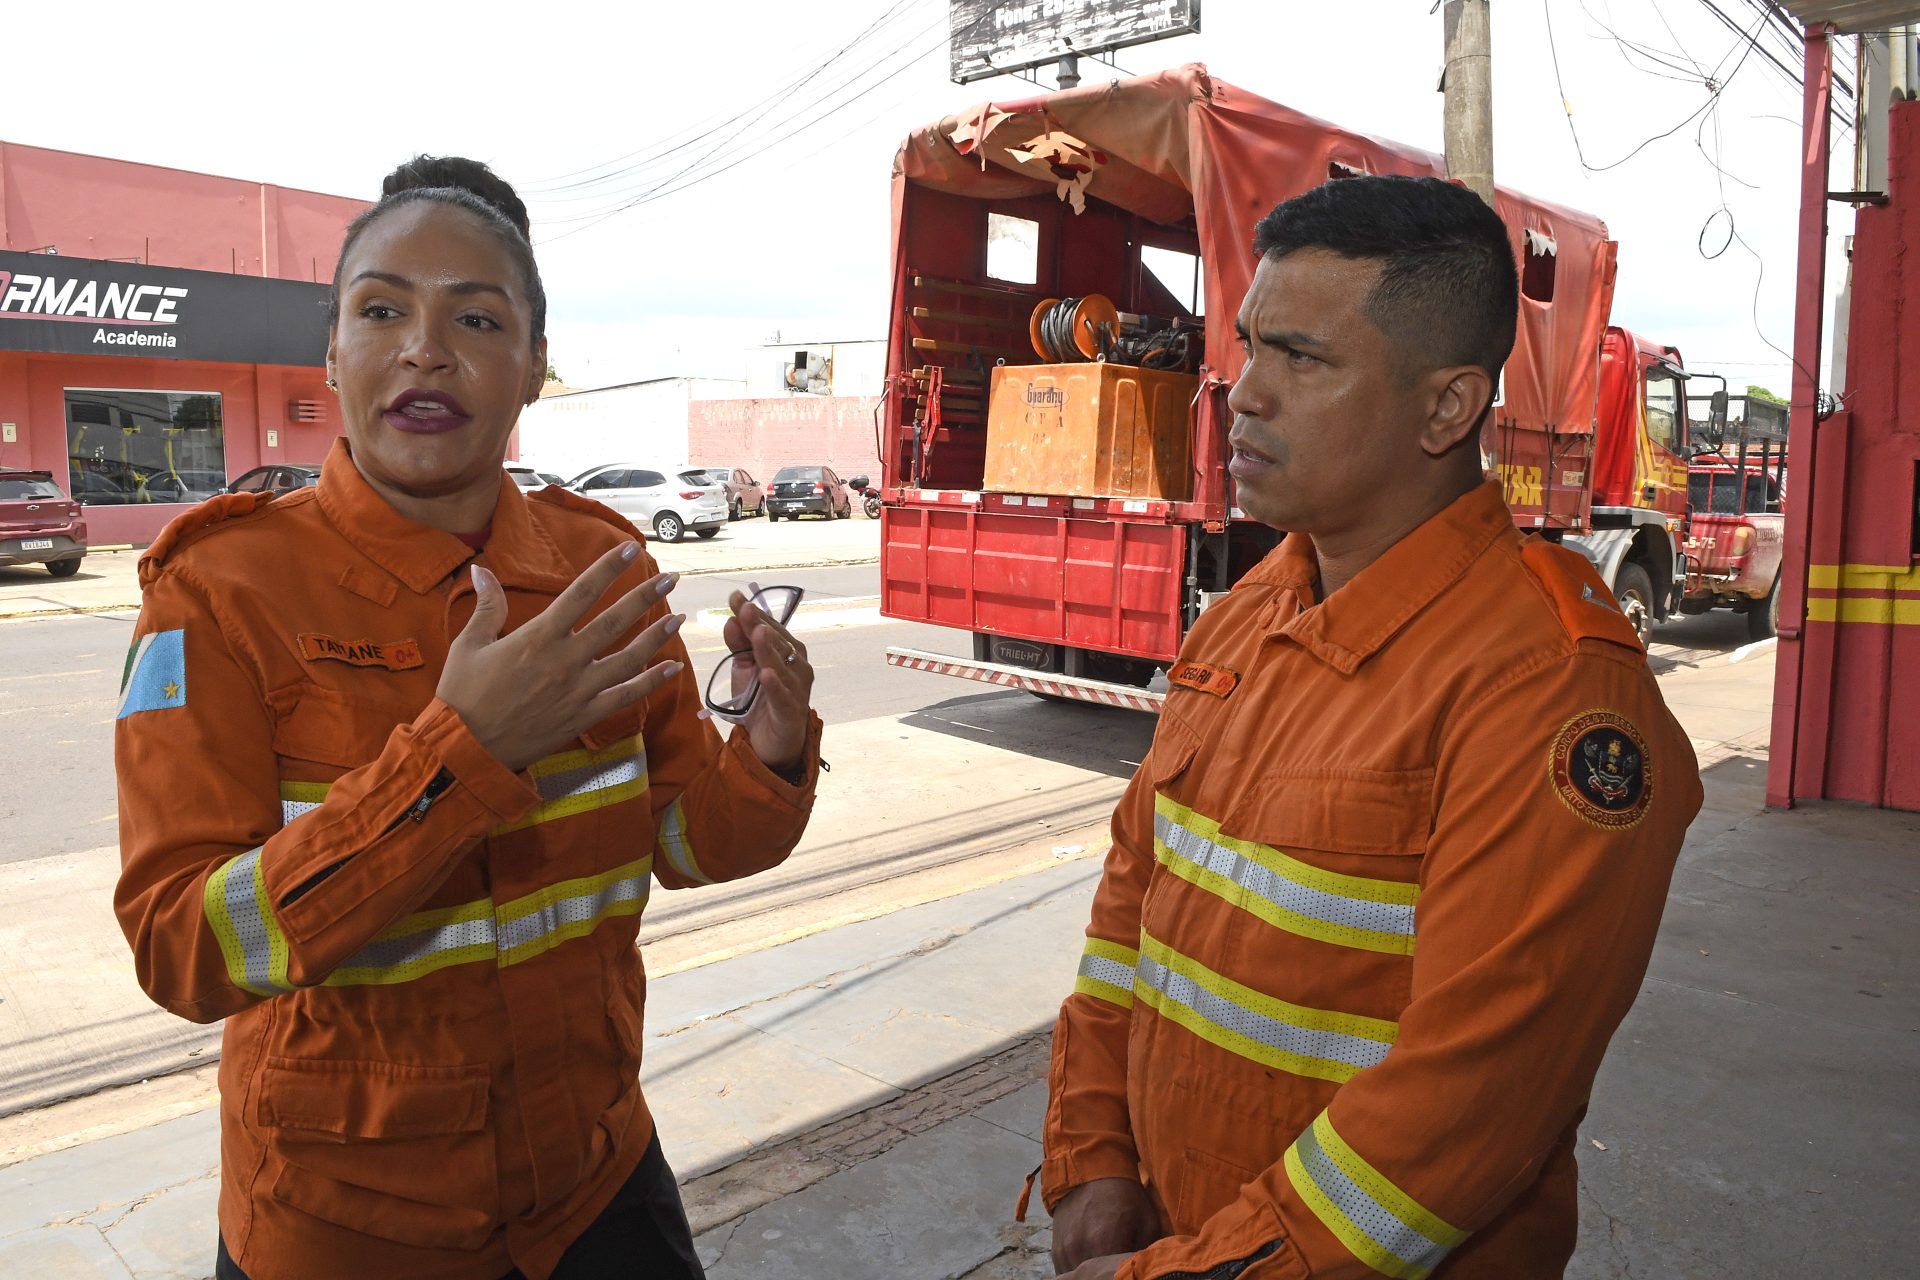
461 174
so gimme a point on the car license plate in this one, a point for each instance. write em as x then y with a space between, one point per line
36 544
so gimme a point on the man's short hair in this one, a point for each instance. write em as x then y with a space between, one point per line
1448 292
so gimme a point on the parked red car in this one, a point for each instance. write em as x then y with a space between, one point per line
39 524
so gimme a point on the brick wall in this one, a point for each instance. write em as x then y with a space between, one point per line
765 435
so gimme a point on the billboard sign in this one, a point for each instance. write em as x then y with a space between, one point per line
84 306
995 37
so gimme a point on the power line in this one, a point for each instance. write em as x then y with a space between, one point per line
617 170
1715 87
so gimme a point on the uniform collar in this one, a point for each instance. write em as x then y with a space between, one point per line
1358 620
519 551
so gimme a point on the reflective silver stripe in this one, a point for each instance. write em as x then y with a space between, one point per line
1294 903
590 777
555 917
1111 972
257 935
291 809
674 843
1294 1041
1378 1236
413 951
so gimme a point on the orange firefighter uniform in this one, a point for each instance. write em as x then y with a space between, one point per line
1378 897
426 962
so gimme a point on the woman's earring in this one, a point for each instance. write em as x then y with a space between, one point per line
332 385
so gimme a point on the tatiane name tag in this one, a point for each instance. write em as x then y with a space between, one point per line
394 655
1204 677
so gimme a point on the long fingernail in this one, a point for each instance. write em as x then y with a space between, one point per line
668 583
673 668
628 552
673 623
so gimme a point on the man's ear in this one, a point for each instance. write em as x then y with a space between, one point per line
537 377
1460 397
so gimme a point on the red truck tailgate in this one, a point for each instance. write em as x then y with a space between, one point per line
1103 584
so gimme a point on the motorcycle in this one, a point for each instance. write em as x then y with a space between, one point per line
869 496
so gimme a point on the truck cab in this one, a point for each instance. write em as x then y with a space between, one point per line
1636 534
1736 534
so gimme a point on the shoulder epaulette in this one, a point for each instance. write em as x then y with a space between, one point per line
190 527
554 496
1580 598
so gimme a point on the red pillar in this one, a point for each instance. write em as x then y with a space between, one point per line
1801 705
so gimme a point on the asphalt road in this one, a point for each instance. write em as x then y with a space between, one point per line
60 678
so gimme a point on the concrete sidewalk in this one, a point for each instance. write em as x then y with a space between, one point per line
863 1104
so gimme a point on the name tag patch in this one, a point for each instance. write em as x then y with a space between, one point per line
394 655
1204 677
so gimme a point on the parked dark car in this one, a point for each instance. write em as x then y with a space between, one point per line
39 524
278 478
745 495
798 490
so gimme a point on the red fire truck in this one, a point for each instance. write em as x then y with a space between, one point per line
1075 520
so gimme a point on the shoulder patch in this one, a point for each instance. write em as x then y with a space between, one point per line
1599 769
186 529
554 496
1586 608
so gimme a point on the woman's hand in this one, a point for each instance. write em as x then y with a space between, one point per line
776 723
525 696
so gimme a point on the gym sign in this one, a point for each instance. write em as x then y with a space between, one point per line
80 306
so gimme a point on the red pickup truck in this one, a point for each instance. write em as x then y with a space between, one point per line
1736 538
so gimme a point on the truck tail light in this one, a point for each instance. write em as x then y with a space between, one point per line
1742 541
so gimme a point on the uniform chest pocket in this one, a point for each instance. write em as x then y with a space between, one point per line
1333 856
318 725
398 1151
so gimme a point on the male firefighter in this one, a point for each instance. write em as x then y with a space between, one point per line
1390 876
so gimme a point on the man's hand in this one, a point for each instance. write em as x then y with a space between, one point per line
1099 1224
527 695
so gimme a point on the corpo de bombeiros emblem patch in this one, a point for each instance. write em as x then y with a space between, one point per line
1599 769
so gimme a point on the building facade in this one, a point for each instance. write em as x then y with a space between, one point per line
161 332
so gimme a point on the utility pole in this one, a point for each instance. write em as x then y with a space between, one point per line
1467 83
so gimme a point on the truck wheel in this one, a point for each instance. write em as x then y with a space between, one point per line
1763 616
1634 590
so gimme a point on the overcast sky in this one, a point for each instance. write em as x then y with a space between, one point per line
640 98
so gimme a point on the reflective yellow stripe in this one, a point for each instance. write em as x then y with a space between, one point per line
542 920
1872 594
1320 1043
236 907
570 783
1107 971
1884 610
1348 911
576 782
1864 577
1379 1223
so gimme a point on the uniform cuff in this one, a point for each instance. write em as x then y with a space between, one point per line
778 789
507 795
1060 1175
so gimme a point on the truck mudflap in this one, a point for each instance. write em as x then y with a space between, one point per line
1077 688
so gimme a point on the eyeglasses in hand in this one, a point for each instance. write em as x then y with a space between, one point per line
735 683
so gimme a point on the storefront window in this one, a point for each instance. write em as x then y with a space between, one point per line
144 446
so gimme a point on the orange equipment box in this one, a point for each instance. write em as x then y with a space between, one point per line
1090 431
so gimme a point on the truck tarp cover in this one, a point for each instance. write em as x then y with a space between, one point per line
1181 144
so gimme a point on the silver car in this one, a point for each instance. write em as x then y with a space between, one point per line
669 500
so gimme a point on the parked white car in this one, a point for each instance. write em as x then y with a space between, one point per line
669 500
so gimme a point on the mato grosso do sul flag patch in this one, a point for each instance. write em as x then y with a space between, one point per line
1599 768
156 674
